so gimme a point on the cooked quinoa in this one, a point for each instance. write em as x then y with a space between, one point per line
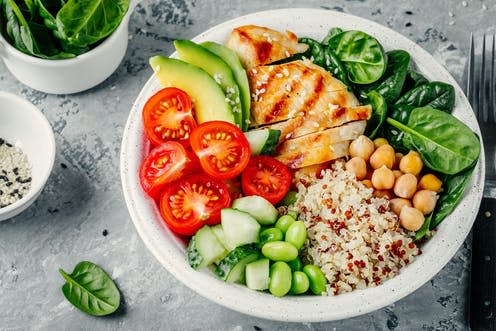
352 236
15 174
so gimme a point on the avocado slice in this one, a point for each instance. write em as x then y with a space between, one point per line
207 96
221 72
232 59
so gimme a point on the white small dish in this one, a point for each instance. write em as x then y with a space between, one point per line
70 75
170 250
24 126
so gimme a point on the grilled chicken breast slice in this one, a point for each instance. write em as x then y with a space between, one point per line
284 91
257 45
304 157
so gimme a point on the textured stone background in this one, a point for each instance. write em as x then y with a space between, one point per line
83 198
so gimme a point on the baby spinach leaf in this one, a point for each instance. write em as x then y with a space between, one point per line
332 32
379 113
315 51
361 54
391 83
90 289
453 188
413 80
83 23
436 95
424 229
334 66
444 142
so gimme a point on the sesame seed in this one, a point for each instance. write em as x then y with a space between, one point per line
287 54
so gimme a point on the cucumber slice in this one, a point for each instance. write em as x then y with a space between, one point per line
239 227
261 209
219 233
194 258
263 141
257 275
232 268
208 247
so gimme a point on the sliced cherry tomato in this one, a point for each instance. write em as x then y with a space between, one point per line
193 201
168 115
222 149
266 177
165 164
234 187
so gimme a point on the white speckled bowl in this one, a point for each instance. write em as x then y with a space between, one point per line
169 250
24 126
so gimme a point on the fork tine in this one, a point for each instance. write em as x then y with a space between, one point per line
471 78
481 100
492 101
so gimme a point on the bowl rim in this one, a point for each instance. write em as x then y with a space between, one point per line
43 121
174 265
95 52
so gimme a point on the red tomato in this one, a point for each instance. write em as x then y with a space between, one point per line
266 177
193 201
222 149
165 164
168 115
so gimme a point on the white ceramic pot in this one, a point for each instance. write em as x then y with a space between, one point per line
71 75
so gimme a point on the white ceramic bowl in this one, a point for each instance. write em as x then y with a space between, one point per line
70 75
24 126
169 249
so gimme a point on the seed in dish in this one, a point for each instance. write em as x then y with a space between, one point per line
15 174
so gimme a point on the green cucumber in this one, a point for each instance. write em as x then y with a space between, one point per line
219 233
205 249
257 275
263 141
232 268
261 209
232 59
240 228
194 258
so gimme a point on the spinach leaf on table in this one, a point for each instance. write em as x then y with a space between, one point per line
91 289
379 113
445 144
361 54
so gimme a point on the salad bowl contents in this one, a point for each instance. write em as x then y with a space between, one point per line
300 167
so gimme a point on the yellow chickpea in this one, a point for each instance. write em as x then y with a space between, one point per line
378 142
383 178
362 147
397 173
397 159
367 183
411 218
388 194
397 205
383 156
411 163
405 186
358 166
430 182
425 201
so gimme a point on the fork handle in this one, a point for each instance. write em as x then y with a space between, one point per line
483 274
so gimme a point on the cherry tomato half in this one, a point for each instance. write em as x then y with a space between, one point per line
168 115
165 163
266 177
222 149
193 201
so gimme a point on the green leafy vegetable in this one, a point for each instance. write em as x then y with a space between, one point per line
453 188
424 229
315 51
379 113
332 32
333 64
436 95
90 289
361 54
391 83
413 80
444 142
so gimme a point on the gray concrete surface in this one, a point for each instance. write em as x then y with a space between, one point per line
83 197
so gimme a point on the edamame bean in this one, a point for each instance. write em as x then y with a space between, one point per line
296 264
317 279
284 222
279 251
296 234
270 234
300 282
280 279
293 214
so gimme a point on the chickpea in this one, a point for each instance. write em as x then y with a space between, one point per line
388 194
397 173
430 182
383 156
397 159
383 178
411 218
358 166
425 201
411 163
405 186
367 183
362 147
378 142
397 205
